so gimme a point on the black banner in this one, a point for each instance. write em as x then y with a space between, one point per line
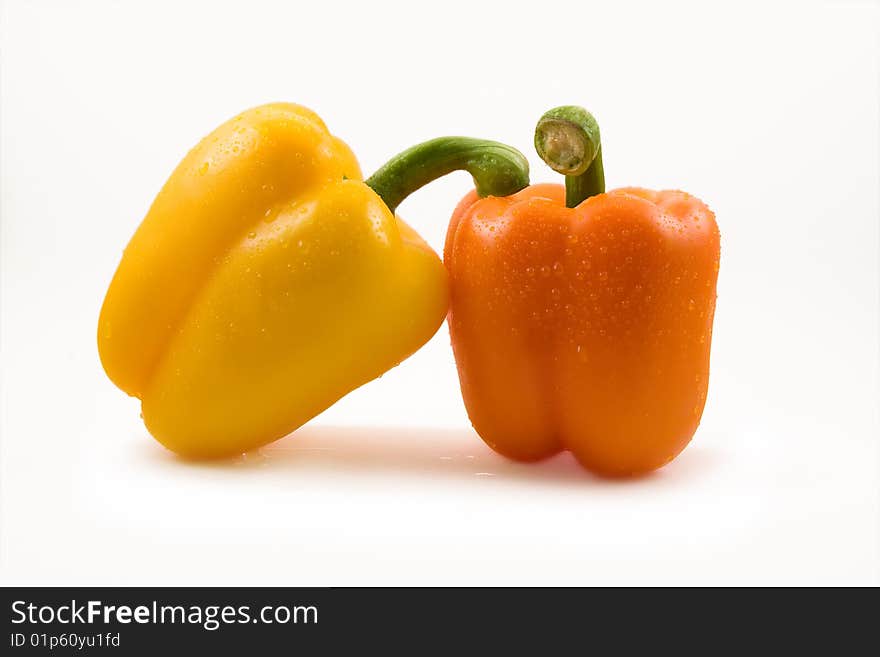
332 621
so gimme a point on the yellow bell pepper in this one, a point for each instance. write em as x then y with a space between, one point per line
268 280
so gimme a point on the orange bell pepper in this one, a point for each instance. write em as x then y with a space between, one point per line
584 328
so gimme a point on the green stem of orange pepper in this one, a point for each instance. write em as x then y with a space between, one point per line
497 169
567 139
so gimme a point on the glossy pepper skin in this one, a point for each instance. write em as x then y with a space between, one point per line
266 282
585 329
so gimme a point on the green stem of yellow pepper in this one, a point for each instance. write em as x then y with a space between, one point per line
497 169
567 139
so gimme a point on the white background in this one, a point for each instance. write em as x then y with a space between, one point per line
767 111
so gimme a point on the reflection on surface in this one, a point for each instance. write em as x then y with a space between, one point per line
452 453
